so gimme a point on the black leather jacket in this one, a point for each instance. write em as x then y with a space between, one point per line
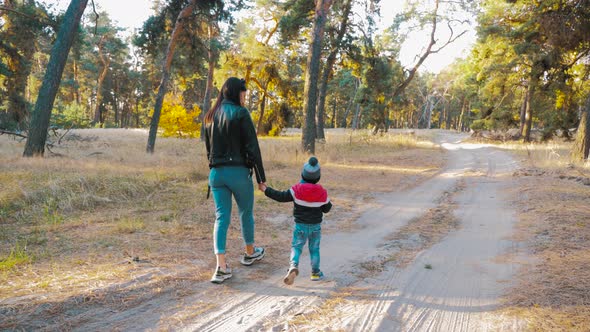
231 139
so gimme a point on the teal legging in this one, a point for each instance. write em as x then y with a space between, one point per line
225 181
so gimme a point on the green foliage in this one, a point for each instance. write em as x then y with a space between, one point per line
72 116
298 15
518 42
482 124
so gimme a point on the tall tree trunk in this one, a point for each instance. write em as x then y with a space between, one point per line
212 61
311 75
528 119
76 84
35 145
103 74
343 123
461 124
182 16
137 112
448 117
581 148
261 118
334 104
327 74
523 107
116 103
344 119
357 117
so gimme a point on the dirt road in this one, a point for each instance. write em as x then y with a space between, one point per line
453 285
431 258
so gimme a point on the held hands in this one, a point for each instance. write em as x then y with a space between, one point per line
262 186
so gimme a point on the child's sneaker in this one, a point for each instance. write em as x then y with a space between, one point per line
220 276
317 276
291 274
250 259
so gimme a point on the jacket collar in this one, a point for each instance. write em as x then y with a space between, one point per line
227 101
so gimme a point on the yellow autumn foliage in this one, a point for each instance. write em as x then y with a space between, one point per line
177 121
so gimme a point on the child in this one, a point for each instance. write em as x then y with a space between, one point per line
310 203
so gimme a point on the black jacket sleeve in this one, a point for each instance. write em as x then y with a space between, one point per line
326 207
207 142
279 196
250 145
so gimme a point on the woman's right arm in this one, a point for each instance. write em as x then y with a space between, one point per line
207 143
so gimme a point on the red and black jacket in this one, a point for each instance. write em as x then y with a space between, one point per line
310 201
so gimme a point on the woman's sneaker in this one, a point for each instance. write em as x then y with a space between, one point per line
250 259
317 276
220 276
291 274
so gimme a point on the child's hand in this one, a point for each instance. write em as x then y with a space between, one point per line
262 186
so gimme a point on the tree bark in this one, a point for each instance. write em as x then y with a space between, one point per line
103 74
343 123
76 84
528 119
212 61
357 117
334 105
311 75
259 130
581 148
184 14
327 74
35 145
525 102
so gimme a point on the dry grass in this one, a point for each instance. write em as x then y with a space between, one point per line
103 215
553 198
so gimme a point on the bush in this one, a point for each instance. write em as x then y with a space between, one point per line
176 121
72 116
483 124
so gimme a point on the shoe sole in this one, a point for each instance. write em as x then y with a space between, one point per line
221 280
290 278
253 260
317 278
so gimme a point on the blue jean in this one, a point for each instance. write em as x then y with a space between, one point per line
226 181
302 234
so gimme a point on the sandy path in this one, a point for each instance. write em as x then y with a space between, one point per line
462 290
459 293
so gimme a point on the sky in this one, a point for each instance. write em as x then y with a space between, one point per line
131 14
417 41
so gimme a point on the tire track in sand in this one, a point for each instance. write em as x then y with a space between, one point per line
462 289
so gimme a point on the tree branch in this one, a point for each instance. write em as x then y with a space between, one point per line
272 32
47 20
422 58
2 132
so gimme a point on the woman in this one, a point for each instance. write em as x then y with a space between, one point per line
233 151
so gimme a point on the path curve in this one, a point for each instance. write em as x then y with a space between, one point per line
460 292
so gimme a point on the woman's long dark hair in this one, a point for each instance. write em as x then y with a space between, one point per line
231 91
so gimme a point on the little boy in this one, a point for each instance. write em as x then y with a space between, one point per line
310 203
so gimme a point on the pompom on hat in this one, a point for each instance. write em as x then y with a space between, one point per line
311 170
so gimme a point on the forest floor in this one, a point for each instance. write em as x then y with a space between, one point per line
427 233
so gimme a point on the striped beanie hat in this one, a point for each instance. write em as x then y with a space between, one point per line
311 170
